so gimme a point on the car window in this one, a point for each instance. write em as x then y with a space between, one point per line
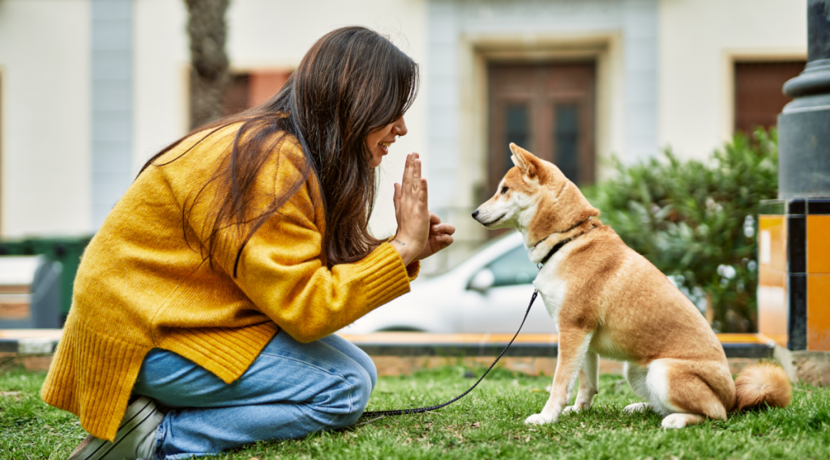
472 252
513 268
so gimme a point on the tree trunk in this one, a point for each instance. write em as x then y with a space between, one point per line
209 74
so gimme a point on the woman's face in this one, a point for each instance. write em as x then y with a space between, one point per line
379 140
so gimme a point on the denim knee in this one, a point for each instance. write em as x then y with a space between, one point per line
372 371
356 388
354 353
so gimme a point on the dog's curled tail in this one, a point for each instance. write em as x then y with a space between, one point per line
762 383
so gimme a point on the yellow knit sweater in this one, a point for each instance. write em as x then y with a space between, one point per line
141 286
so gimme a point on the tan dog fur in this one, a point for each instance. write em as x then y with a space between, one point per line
610 301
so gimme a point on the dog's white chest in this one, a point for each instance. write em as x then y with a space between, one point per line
552 289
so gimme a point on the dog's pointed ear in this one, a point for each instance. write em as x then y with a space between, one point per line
524 160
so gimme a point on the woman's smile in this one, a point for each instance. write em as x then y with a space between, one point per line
379 140
384 146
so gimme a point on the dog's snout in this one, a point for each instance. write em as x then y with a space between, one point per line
475 213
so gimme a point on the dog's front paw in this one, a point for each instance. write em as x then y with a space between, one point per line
681 420
636 407
570 409
538 419
578 407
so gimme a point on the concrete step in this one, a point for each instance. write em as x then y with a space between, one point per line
44 341
29 341
528 345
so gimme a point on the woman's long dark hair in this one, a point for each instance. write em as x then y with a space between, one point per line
351 82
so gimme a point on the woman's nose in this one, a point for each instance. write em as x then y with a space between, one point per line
400 127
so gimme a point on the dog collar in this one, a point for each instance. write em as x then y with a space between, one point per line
564 231
553 250
558 245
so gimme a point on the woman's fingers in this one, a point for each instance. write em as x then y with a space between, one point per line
403 188
406 171
418 183
444 239
396 199
411 169
434 219
411 174
410 184
447 229
414 187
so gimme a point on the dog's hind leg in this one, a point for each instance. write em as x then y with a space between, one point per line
573 346
688 392
588 384
636 377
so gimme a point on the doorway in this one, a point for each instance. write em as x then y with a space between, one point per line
758 95
546 108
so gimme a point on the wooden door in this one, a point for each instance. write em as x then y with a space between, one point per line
546 108
758 92
250 89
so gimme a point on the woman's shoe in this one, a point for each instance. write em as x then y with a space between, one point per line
134 439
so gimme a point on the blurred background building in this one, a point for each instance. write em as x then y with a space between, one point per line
89 89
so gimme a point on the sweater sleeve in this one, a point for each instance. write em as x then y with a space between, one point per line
282 267
282 272
413 269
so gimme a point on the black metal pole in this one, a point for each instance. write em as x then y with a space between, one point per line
804 187
804 124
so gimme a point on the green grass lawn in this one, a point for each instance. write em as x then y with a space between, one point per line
488 423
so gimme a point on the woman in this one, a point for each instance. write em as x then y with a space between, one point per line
215 284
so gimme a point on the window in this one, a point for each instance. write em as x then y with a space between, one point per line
517 130
250 89
758 92
513 268
547 108
2 159
566 139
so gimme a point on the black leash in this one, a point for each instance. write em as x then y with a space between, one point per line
379 414
383 413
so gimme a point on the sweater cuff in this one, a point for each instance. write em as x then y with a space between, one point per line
413 269
385 274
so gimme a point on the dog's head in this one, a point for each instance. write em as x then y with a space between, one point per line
535 198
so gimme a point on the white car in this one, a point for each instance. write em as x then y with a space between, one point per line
488 292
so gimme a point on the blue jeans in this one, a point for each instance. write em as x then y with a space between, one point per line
292 389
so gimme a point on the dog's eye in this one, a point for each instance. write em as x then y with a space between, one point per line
504 190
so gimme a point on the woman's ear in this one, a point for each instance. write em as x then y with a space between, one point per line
524 160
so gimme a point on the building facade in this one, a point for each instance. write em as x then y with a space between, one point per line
89 89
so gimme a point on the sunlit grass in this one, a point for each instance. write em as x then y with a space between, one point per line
488 423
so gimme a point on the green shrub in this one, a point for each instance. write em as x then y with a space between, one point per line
697 221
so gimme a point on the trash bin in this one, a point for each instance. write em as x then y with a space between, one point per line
29 293
68 252
14 248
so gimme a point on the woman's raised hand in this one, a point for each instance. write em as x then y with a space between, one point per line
420 232
411 212
440 236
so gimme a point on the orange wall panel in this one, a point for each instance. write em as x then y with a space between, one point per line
772 242
772 278
772 309
818 312
818 244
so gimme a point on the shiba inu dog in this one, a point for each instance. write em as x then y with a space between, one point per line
609 301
